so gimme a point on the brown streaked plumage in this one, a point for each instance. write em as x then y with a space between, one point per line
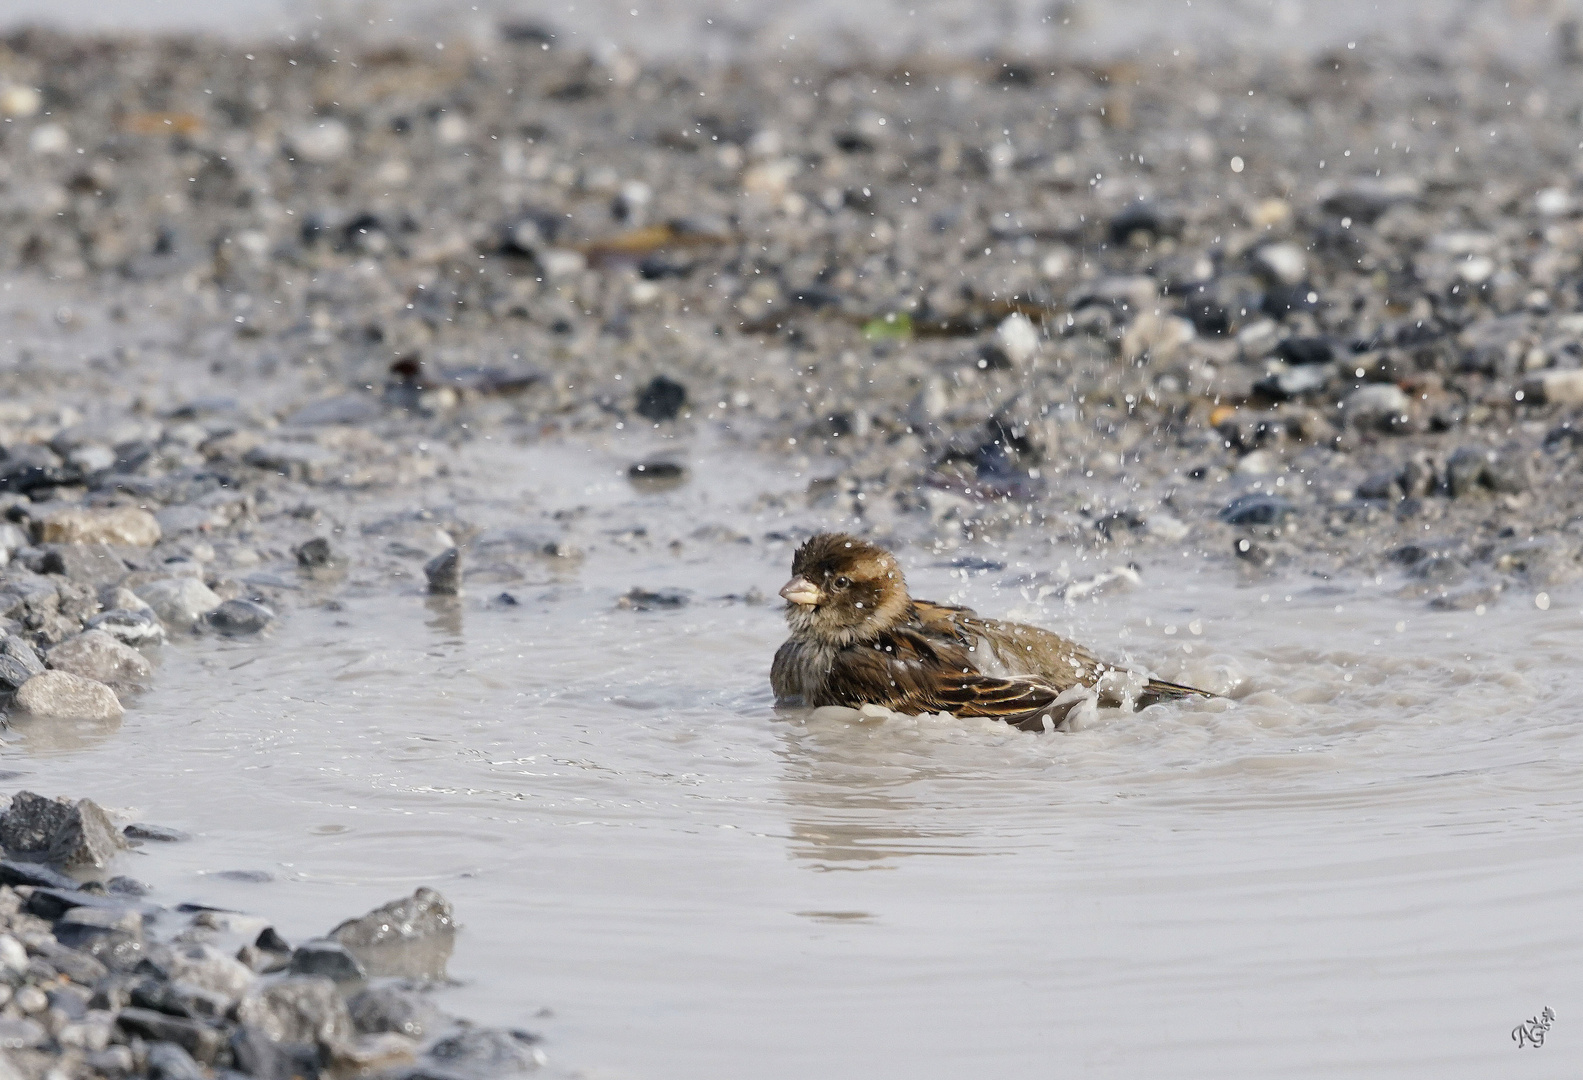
858 638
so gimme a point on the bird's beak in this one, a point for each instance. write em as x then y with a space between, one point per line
799 590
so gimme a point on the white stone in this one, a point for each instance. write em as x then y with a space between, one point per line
49 139
1286 263
83 525
1019 338
19 102
60 695
325 141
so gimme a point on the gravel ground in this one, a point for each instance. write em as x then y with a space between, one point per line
1320 316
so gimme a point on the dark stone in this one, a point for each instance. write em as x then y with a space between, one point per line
1467 599
114 938
315 553
391 1008
13 674
1440 570
1465 471
59 832
240 617
657 475
180 999
1380 485
639 599
1308 350
661 399
444 572
1145 218
482 1053
197 1039
140 831
51 902
168 1061
328 958
1253 553
20 873
1281 300
24 654
1257 508
250 877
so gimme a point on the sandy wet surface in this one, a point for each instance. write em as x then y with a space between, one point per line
1363 862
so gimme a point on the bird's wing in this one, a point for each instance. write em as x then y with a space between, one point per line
911 673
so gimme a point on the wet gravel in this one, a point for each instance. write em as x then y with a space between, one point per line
1317 315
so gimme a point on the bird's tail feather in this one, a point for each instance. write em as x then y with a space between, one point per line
1158 690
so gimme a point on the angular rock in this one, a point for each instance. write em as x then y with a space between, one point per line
180 999
207 968
59 695
298 1009
179 602
240 617
59 832
95 654
411 936
36 874
118 525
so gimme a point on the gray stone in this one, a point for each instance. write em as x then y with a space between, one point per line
641 599
1257 508
23 653
140 831
59 832
59 695
344 409
15 873
481 1053
1380 485
413 936
197 1038
80 968
179 601
130 627
444 572
315 553
240 617
1376 405
180 999
328 958
298 1009
168 1061
12 674
391 1008
1465 471
20 1034
424 914
295 461
207 968
95 654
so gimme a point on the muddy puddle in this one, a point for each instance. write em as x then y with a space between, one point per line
1365 862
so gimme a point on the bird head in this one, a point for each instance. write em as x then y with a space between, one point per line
843 590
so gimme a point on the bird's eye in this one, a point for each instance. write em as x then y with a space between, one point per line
842 582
